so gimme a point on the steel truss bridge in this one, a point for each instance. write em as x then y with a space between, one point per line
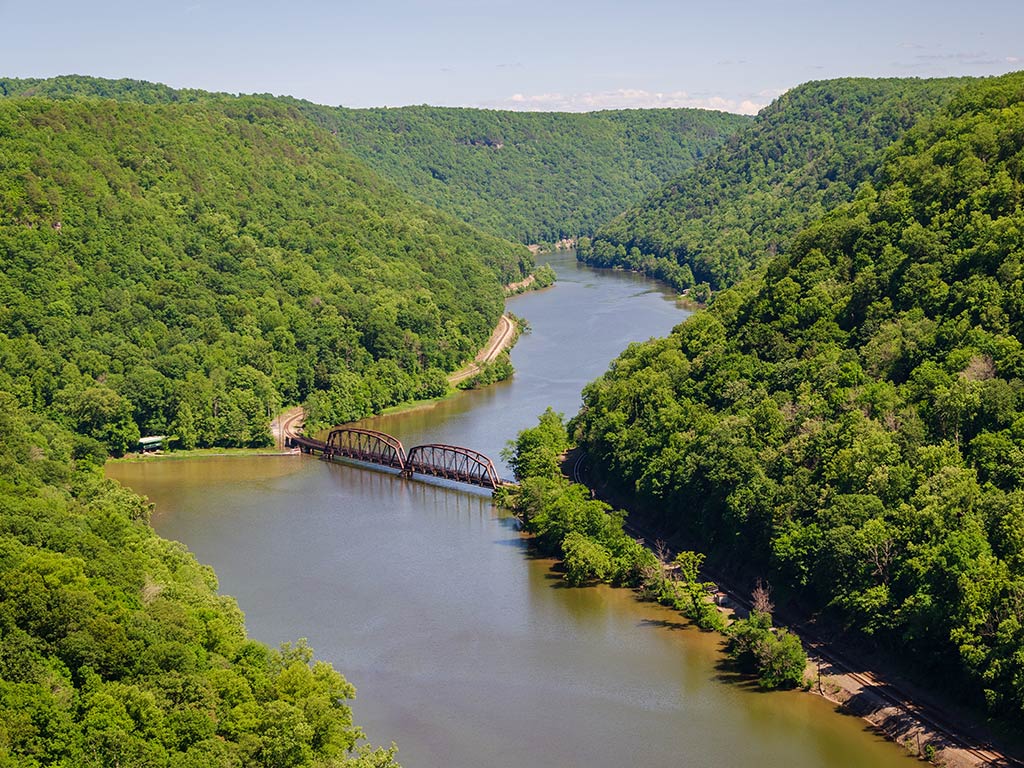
449 462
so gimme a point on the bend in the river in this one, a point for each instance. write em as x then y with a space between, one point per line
465 649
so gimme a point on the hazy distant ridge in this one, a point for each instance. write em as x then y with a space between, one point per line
525 176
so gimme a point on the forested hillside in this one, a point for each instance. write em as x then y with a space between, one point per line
803 155
529 176
184 263
115 648
186 269
78 86
524 176
850 423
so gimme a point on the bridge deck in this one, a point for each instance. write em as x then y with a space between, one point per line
449 462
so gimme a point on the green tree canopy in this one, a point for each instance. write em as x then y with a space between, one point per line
115 648
189 267
851 419
802 155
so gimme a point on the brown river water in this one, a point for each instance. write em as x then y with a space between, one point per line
465 650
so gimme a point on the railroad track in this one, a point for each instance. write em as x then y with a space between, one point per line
500 339
290 423
578 466
905 707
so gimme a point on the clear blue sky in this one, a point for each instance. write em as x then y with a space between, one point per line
534 54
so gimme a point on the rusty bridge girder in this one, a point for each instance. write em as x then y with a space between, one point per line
365 445
449 462
452 462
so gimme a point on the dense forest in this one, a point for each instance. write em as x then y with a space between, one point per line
185 263
79 86
587 535
186 269
850 421
802 155
115 648
525 176
529 176
846 420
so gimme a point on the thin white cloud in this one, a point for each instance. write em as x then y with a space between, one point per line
632 98
955 62
967 57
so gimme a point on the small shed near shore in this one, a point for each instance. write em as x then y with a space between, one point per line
153 443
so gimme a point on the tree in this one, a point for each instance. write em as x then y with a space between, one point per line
775 656
696 602
537 451
585 559
185 427
101 413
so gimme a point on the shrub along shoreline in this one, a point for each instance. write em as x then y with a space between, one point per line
589 537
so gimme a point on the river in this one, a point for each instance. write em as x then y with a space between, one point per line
466 650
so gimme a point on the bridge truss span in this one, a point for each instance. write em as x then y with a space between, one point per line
449 462
452 462
366 445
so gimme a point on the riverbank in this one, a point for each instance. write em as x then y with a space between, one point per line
503 336
513 288
418 405
198 453
923 723
288 423
542 277
565 244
